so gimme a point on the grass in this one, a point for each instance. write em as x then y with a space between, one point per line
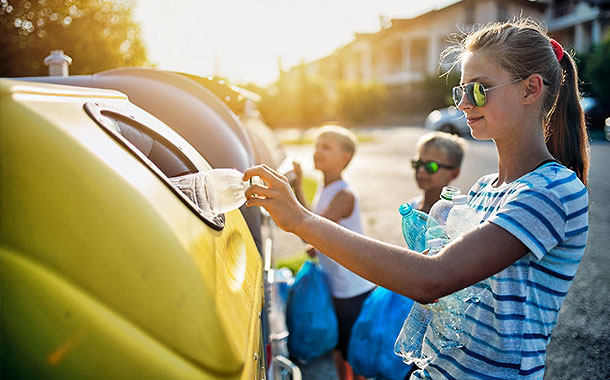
310 185
307 139
292 262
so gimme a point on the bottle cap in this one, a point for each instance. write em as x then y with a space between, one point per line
405 209
436 243
449 192
459 199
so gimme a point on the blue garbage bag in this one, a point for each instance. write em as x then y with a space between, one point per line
310 314
371 347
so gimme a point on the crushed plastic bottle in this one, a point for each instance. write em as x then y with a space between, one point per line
413 227
461 218
448 314
410 340
437 217
445 331
224 189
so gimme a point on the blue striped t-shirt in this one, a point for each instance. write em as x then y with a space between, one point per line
507 328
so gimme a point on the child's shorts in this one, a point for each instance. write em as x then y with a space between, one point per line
347 310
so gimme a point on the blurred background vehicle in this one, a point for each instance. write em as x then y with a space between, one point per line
449 119
220 122
595 112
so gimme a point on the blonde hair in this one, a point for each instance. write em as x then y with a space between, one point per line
522 47
346 138
451 144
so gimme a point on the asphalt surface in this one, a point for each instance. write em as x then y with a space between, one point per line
380 172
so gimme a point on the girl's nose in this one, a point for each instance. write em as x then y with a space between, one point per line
464 103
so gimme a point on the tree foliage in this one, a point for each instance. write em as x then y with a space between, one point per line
97 34
359 102
299 100
597 70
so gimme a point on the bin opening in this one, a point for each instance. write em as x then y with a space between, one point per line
160 155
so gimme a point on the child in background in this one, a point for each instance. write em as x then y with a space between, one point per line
519 89
334 148
437 164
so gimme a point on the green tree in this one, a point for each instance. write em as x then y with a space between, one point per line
597 71
97 34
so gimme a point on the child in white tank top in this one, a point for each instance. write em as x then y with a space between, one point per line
334 148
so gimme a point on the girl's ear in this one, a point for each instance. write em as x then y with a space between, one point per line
533 88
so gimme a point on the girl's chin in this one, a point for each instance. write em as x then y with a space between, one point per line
479 134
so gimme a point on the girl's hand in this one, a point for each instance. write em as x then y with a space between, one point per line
277 198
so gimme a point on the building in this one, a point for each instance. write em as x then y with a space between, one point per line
408 50
578 24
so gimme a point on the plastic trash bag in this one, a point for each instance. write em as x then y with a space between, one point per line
371 348
310 314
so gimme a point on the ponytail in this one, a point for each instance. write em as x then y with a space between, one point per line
565 130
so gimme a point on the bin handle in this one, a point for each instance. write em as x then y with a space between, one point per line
282 362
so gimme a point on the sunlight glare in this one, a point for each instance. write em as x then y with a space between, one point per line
245 41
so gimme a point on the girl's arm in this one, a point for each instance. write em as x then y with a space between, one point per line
479 254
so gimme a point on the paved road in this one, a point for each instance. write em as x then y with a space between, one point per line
580 346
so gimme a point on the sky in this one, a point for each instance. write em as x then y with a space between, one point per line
247 40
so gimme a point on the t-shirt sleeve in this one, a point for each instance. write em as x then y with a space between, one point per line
536 217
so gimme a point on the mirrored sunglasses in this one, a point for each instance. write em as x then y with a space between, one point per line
431 167
475 92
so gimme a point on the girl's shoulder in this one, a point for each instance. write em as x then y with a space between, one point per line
554 178
551 177
551 184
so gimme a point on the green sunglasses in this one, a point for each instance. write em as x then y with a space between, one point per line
430 166
475 92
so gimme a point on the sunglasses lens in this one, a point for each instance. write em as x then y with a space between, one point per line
431 167
457 95
478 94
415 164
475 92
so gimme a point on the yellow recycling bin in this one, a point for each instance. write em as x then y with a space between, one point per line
109 268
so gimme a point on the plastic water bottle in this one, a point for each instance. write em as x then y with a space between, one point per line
409 343
437 218
435 246
461 219
440 210
413 227
224 189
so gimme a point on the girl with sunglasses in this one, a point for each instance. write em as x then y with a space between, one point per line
519 89
437 164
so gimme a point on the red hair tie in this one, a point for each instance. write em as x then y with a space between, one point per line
557 49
